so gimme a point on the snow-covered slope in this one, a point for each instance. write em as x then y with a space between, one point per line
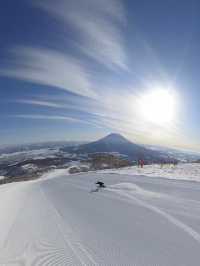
183 171
134 221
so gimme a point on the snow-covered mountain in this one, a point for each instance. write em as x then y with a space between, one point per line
25 162
118 144
181 155
31 148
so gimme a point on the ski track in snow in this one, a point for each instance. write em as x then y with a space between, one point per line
187 229
57 221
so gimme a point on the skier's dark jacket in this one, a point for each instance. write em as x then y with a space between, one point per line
100 184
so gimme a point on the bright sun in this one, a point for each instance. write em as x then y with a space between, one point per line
158 106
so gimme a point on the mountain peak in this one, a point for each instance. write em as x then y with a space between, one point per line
114 137
117 143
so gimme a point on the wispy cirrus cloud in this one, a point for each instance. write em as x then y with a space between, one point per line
48 67
98 26
46 117
117 114
56 118
40 103
68 102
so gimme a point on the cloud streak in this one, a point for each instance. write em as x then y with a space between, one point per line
41 103
54 117
97 30
49 67
97 33
116 113
98 26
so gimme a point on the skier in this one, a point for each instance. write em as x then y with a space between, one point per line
142 163
100 184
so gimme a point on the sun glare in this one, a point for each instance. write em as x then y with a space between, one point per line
158 106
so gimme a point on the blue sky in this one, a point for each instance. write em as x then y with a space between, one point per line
74 70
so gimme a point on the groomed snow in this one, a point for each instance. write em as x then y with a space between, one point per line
136 220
